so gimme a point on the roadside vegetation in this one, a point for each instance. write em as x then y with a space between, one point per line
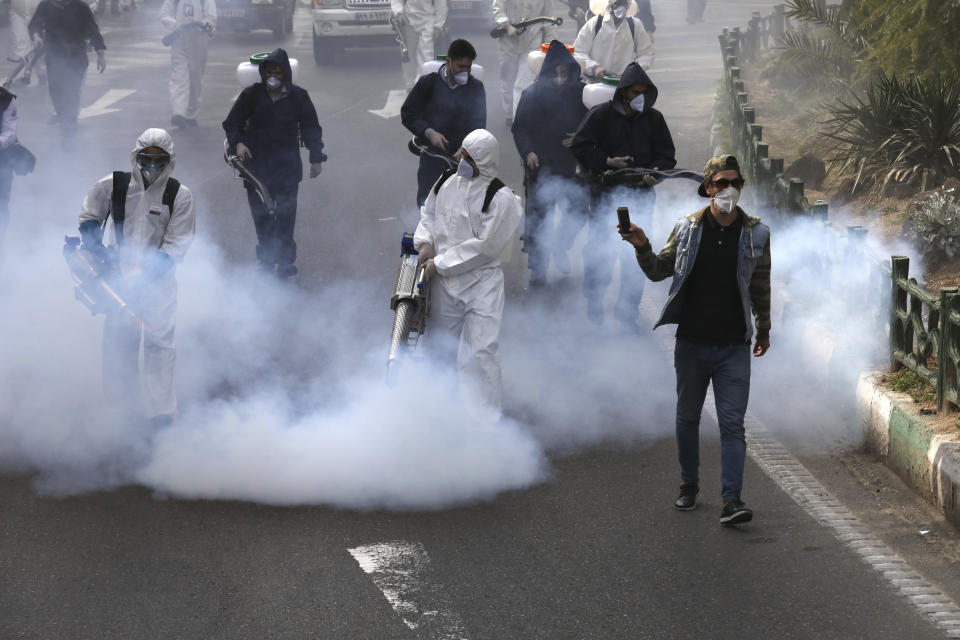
872 89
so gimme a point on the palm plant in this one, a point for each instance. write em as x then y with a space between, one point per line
896 131
825 54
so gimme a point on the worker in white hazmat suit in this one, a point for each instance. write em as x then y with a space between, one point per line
467 221
20 13
611 41
515 74
422 23
150 224
191 23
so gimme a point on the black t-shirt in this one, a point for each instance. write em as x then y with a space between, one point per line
712 311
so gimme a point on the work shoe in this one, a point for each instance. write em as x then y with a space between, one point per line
286 270
734 512
688 497
178 121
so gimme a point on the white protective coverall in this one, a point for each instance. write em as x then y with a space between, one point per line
467 294
149 228
613 48
423 19
20 13
515 74
188 51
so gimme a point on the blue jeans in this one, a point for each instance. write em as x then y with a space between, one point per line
728 367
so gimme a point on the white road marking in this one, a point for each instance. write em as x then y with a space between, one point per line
103 104
392 108
401 570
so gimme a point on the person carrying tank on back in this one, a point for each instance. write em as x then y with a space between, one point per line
265 127
611 41
443 107
549 112
515 76
151 225
467 221
626 132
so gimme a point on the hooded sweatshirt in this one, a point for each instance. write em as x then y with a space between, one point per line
273 129
608 132
149 226
464 237
547 113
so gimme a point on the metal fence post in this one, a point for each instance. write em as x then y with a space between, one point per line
942 351
899 270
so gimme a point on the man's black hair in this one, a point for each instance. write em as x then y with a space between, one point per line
460 49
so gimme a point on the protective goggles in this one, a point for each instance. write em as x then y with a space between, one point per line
156 160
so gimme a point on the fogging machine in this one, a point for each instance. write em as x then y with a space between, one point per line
92 275
410 303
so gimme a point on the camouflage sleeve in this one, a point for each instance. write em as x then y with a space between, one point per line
760 294
659 266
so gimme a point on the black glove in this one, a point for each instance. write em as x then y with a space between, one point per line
92 235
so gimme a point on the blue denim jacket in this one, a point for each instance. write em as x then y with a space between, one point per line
680 253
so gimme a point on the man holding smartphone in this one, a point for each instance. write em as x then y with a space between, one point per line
719 258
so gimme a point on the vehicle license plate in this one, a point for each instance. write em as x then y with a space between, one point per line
232 13
371 16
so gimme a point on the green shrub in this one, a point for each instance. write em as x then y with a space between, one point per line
936 226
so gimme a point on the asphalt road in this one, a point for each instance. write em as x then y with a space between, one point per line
593 551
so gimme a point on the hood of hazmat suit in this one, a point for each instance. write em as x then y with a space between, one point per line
468 296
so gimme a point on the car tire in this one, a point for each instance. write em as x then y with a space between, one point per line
324 51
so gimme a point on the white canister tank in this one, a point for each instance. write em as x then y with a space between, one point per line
535 58
248 72
600 92
432 65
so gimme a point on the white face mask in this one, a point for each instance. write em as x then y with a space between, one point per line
273 82
461 78
637 103
465 169
619 12
727 199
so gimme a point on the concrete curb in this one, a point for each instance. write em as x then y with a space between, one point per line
890 425
927 461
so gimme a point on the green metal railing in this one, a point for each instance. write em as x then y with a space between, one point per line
923 328
925 332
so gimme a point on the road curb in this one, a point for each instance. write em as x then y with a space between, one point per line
929 462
